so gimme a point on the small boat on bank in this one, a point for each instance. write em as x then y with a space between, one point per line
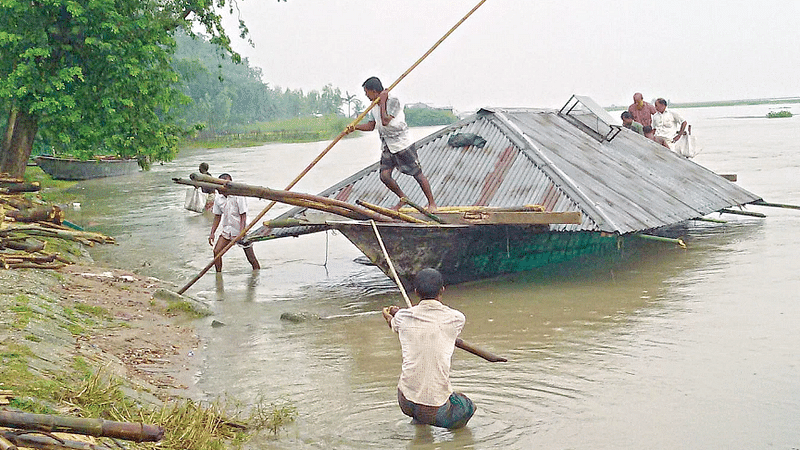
518 189
76 169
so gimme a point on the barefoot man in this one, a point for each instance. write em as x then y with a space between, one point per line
428 333
398 151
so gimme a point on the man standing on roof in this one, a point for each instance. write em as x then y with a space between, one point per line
428 333
641 110
398 151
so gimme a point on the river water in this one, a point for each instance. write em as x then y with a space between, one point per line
694 348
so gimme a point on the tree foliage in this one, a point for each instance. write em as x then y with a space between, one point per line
227 96
421 117
94 76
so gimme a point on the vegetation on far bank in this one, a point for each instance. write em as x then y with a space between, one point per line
303 129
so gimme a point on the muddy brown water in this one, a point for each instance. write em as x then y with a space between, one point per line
672 348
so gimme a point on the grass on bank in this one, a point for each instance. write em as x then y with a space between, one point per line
91 393
301 129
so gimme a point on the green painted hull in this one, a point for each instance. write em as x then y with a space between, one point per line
471 252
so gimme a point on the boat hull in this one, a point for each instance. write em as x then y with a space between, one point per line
74 169
469 252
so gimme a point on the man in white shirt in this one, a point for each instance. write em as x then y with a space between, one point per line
670 126
428 333
397 149
231 212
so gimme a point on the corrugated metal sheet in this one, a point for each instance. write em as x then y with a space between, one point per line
535 156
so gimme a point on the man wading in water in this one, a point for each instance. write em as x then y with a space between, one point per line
428 333
398 151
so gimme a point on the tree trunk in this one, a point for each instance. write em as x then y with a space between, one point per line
18 142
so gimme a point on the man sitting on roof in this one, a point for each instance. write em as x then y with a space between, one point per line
627 122
641 110
670 126
650 133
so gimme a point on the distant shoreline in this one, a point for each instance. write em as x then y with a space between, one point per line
753 101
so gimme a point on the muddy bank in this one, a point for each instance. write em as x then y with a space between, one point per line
106 319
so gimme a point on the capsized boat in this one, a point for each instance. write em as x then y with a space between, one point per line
594 185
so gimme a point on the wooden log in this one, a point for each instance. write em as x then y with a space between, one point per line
84 237
27 245
52 214
137 432
17 202
33 265
8 187
5 444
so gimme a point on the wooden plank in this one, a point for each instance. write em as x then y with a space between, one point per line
485 217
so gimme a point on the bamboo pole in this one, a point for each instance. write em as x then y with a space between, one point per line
390 213
775 205
424 211
679 242
742 213
459 342
327 149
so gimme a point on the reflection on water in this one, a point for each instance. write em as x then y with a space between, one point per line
666 348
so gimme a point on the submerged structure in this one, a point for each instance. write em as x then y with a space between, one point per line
522 188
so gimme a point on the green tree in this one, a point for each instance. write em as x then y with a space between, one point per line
94 76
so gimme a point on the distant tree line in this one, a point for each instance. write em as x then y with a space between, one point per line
226 96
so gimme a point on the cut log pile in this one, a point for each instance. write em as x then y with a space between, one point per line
26 227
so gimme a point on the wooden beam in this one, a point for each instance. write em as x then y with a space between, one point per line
478 217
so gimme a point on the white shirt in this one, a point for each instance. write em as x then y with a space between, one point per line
231 208
395 134
427 336
667 124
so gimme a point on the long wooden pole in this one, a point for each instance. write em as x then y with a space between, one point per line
327 149
489 356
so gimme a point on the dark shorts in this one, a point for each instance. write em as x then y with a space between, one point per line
453 414
406 160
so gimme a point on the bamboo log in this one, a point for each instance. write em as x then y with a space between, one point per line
650 237
390 213
742 213
775 205
137 432
422 210
287 197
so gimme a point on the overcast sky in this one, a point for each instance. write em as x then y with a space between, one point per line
533 53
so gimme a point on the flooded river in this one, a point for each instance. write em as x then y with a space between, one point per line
675 348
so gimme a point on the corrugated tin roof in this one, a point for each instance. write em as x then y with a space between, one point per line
535 156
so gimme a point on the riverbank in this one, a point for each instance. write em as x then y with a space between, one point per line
85 340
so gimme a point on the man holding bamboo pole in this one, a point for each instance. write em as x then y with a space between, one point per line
231 212
428 333
398 152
